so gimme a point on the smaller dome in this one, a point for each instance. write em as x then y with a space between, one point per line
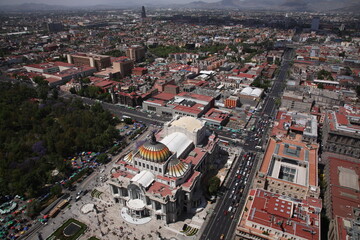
129 157
176 168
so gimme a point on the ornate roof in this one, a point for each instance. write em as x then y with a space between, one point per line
176 168
129 157
154 151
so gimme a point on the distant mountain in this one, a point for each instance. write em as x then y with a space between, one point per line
280 5
277 5
32 7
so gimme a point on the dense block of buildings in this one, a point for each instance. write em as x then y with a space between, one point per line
288 124
342 196
294 101
341 132
182 104
161 178
272 216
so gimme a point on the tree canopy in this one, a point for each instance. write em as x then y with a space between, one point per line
37 135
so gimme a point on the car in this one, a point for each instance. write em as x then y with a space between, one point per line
225 212
79 193
222 236
77 198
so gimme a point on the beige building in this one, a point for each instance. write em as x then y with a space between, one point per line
136 53
89 59
289 168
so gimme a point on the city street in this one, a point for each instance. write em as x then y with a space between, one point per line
220 225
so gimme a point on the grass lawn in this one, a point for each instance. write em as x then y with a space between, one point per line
58 234
93 238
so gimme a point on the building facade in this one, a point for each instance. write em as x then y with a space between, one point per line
136 53
161 179
341 133
92 60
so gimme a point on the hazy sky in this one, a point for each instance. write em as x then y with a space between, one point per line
94 2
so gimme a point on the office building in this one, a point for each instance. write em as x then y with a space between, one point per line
315 23
55 27
136 53
124 65
143 13
88 59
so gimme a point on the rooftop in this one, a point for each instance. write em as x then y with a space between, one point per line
274 212
189 123
298 161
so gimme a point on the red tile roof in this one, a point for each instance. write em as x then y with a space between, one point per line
160 188
274 212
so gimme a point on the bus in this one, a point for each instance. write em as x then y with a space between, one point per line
57 208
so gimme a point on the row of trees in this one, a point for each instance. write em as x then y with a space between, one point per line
37 135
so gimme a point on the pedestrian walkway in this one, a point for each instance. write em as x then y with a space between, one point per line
130 219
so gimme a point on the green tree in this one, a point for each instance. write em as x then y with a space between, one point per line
320 85
33 208
103 158
40 80
72 90
55 93
56 190
214 184
278 101
128 121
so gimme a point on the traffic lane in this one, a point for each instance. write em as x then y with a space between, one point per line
224 221
119 110
211 230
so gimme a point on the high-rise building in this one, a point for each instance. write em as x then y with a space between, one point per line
124 65
315 23
136 53
143 13
55 27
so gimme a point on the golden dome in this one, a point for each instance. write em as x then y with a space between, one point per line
154 151
176 168
129 157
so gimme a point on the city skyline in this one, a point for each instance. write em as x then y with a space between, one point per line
96 2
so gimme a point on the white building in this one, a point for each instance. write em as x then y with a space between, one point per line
162 178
